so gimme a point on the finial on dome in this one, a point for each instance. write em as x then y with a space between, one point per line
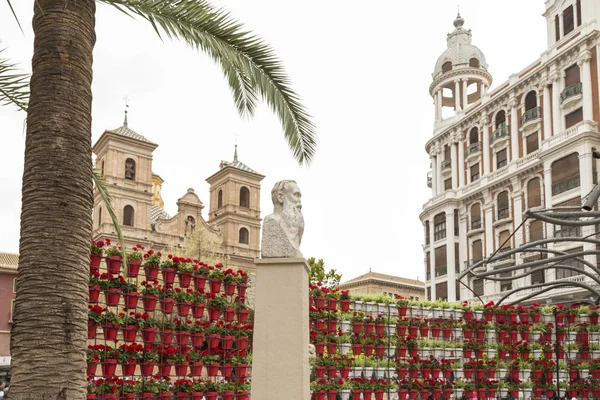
126 99
235 158
459 21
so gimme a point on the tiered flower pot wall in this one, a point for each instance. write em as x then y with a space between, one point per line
376 348
166 328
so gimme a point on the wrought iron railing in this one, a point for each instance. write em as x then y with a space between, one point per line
572 231
429 179
474 148
531 115
503 213
565 184
571 90
472 262
441 270
475 224
446 164
500 132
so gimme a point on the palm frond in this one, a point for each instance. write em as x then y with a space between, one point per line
14 86
102 187
249 64
15 15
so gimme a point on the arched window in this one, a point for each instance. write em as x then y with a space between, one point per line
565 174
447 66
474 136
534 195
130 169
530 100
503 241
503 211
244 197
474 63
128 216
99 216
220 199
439 226
476 216
500 119
244 236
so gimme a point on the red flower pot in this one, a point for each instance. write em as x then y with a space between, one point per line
413 373
213 340
572 374
90 396
345 305
379 328
182 338
129 333
168 276
331 371
213 314
447 373
149 303
467 353
435 332
446 332
129 368
560 317
331 303
134 268
524 317
319 371
229 314
525 335
357 349
368 348
147 368
229 288
108 367
345 372
435 373
332 394
369 326
356 394
166 305
424 331
413 351
131 300
197 339
593 318
215 285
227 395
181 368
468 373
94 293
331 348
199 282
92 329
198 310
596 373
241 288
227 342
242 343
183 309
437 393
321 394
320 302
356 327
212 369
149 334
151 272
379 350
166 336
91 369
185 278
367 394
196 368
110 331
114 264
403 393
425 372
401 351
182 396
164 369
242 396
242 316
95 260
401 330
112 296
514 374
468 333
227 370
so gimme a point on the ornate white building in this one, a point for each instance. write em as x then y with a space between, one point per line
494 154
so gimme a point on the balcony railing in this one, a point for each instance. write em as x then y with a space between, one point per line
565 184
503 213
429 179
474 148
475 224
441 270
571 231
500 132
457 267
570 91
446 164
472 262
439 235
428 276
531 115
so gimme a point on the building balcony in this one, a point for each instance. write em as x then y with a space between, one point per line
446 165
500 135
475 224
531 115
439 235
571 93
442 270
429 179
570 231
565 185
503 213
473 261
473 149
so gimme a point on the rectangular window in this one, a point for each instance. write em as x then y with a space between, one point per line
572 75
428 291
531 143
456 259
538 277
457 291
456 223
557 28
478 287
574 118
441 291
475 172
578 7
428 265
439 229
477 250
501 159
564 273
503 241
568 20
536 230
448 184
441 261
426 232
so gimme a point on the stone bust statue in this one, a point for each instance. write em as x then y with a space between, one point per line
282 230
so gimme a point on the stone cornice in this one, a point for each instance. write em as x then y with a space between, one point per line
455 75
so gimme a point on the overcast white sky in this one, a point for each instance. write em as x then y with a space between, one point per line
363 73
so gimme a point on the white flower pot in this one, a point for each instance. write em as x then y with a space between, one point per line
437 313
594 336
415 311
459 314
478 314
535 336
491 335
536 354
380 372
459 393
572 336
382 308
370 306
345 394
525 393
526 374
448 313
345 326
358 305
438 352
583 318
344 348
503 392
502 373
459 374
425 351
491 353
548 317
368 372
390 352
391 329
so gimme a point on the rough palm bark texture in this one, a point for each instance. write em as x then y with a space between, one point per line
48 341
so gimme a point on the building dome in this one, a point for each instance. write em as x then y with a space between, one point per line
460 52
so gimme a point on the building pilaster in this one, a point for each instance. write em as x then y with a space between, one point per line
485 145
450 256
586 85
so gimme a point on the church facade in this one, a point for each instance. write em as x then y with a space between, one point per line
124 159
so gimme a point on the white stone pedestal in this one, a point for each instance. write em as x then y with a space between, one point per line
280 367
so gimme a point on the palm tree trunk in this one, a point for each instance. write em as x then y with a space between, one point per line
49 333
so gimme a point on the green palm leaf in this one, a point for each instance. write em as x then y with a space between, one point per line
14 86
249 64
